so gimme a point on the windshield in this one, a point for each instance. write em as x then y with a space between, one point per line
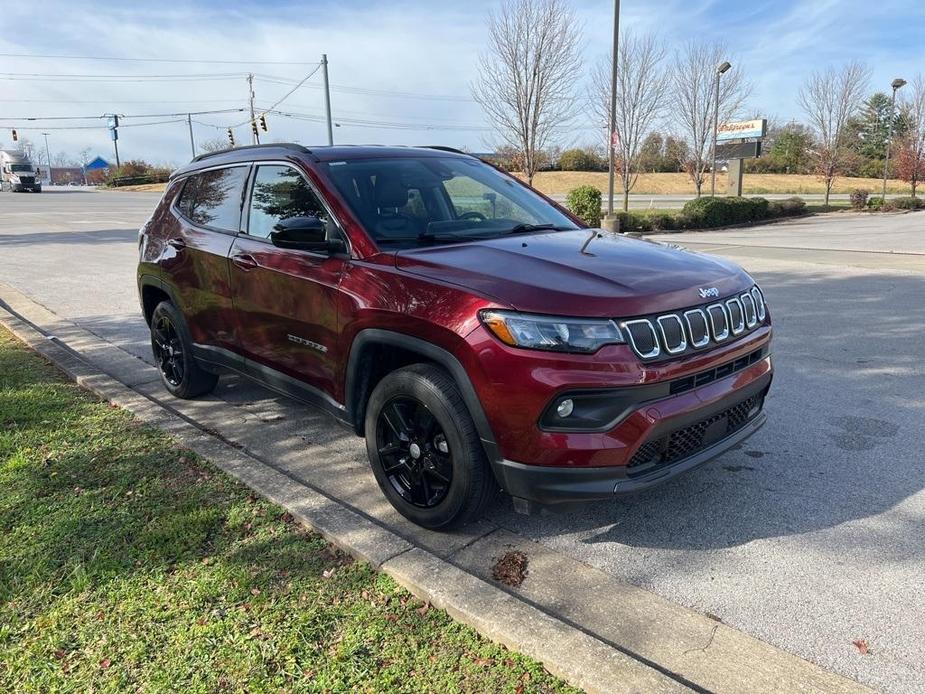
405 202
22 168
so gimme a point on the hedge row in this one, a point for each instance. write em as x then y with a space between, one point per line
705 213
906 203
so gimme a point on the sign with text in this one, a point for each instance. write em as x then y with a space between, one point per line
738 150
741 130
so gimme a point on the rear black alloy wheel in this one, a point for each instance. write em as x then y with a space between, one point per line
414 452
168 350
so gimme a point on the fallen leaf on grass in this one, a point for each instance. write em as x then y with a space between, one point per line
327 573
422 610
481 662
862 646
255 591
105 663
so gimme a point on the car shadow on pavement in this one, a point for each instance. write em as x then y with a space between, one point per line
842 443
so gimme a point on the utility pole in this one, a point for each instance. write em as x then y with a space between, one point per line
611 142
192 142
327 97
114 134
48 157
255 137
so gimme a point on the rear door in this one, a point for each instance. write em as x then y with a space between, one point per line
285 300
208 215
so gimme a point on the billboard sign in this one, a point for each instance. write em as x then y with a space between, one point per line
738 150
741 130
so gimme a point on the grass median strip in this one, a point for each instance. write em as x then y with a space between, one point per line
127 563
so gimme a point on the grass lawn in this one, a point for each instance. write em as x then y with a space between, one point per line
128 564
561 182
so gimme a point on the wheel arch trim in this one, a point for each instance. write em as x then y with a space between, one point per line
377 336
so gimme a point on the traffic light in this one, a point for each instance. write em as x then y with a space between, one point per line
254 128
263 122
15 136
231 136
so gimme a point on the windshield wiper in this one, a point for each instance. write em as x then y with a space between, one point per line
526 228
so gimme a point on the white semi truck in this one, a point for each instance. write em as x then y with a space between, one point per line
17 174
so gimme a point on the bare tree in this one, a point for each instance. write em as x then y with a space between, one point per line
830 98
693 91
641 96
215 145
910 158
527 75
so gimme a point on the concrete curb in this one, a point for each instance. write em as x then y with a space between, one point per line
569 653
624 639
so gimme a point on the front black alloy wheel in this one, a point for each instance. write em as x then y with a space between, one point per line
424 448
173 354
414 452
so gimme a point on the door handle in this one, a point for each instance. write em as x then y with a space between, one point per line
179 244
244 261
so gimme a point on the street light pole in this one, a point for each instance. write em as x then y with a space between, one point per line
327 98
719 71
613 107
897 84
47 157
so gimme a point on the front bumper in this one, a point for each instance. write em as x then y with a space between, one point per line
549 485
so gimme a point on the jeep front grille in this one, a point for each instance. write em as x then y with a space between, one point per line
679 332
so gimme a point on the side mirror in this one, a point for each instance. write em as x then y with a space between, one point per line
305 234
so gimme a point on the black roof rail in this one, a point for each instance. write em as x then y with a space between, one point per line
283 145
444 148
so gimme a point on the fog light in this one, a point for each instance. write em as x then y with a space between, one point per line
564 408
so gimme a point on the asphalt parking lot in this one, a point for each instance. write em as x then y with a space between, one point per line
808 537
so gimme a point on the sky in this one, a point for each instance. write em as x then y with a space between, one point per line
400 70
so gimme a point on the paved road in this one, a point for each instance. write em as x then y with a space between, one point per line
809 537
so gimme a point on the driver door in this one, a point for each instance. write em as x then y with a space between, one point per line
285 300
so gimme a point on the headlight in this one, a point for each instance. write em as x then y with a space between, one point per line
550 333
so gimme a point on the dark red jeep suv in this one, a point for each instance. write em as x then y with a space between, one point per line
470 328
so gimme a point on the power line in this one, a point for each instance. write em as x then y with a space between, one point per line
50 77
157 60
387 125
371 92
122 115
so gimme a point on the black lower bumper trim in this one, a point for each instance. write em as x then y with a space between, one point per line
553 485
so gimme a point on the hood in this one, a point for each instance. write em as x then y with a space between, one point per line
616 276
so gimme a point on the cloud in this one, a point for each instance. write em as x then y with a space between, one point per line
411 47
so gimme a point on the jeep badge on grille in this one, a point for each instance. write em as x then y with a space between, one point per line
706 292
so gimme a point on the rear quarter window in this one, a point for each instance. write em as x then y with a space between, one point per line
213 198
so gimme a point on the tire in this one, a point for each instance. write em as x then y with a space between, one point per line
173 354
445 480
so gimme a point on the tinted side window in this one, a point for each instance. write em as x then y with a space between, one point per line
213 198
280 192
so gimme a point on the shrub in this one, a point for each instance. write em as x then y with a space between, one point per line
875 202
717 212
791 207
858 198
580 160
663 221
585 203
908 203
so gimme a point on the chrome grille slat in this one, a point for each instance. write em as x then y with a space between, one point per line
737 325
680 332
712 310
